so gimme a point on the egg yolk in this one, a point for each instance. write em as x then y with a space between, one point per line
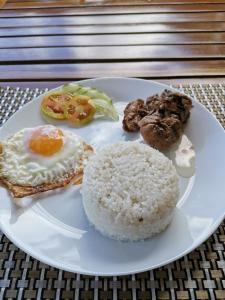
45 141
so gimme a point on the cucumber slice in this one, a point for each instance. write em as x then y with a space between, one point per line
83 90
71 88
102 102
93 93
105 108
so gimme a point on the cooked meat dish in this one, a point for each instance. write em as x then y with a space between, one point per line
170 104
160 120
133 113
160 132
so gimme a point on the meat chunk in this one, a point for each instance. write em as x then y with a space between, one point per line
160 132
133 113
170 103
160 120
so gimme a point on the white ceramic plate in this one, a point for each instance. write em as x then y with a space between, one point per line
55 229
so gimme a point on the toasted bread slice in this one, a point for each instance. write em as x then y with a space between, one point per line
20 191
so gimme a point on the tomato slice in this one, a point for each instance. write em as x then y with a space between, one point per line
79 111
53 104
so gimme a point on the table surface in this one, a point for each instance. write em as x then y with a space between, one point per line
44 43
169 40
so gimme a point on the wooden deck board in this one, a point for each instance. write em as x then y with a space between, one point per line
152 70
66 40
112 9
114 40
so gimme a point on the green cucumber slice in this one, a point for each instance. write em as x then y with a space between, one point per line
102 102
104 108
77 89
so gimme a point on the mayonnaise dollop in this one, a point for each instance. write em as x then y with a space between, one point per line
183 156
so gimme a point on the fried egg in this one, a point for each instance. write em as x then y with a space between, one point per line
44 154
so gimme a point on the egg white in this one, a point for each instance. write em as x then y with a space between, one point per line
21 166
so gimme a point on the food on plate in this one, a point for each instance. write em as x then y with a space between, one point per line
42 158
105 109
170 103
100 100
53 104
87 103
79 111
129 191
160 132
183 156
133 114
92 92
160 120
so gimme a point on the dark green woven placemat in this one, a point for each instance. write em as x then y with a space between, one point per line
198 275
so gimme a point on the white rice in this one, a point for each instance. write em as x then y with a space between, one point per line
129 191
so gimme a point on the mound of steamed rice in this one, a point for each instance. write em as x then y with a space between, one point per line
129 191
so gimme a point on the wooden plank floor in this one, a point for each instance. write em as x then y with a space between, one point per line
65 40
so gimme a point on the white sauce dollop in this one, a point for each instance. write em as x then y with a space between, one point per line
183 156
